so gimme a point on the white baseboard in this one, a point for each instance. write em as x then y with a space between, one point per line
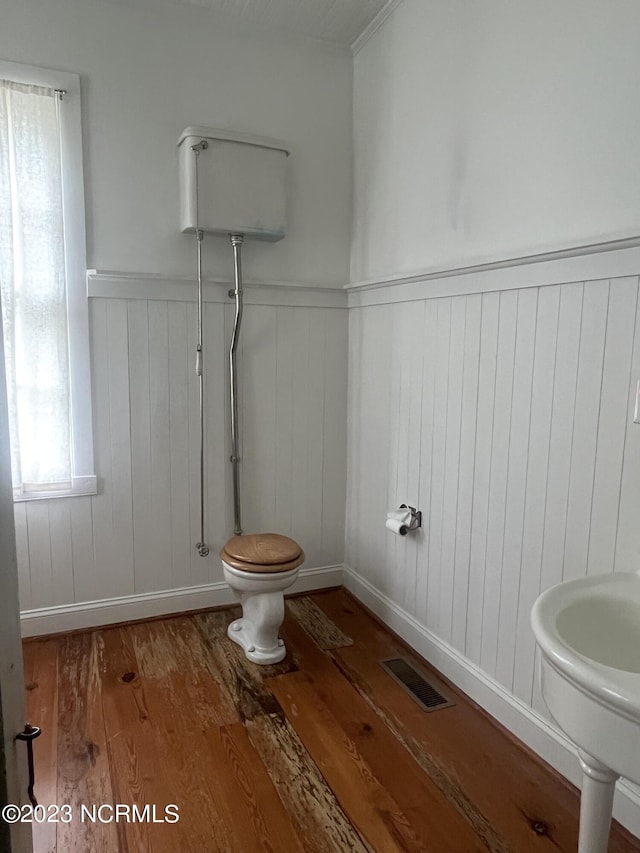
520 719
92 614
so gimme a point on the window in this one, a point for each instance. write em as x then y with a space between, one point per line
42 283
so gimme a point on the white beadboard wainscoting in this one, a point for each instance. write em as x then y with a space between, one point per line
504 412
129 552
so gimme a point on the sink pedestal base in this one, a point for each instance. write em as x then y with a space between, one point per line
596 804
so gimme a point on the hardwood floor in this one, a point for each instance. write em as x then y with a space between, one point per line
323 753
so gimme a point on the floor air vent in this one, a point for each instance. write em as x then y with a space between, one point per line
417 687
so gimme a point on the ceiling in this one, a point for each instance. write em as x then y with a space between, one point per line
337 21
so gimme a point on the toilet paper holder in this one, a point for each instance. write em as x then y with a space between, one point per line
403 520
416 517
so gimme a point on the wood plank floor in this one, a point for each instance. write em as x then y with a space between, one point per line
322 753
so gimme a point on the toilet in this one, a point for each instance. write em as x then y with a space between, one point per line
259 567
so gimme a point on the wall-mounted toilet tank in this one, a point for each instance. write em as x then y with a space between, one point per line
235 186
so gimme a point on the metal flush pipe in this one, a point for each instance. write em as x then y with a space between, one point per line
202 547
236 242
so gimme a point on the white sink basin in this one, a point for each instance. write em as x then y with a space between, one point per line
589 633
604 627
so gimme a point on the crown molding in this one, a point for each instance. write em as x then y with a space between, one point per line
374 26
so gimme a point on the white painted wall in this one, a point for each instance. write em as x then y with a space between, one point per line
146 74
506 417
492 130
498 402
138 535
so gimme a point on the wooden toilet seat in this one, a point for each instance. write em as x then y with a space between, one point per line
262 552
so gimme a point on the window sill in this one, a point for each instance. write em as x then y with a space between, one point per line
80 486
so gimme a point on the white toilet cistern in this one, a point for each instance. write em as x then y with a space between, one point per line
233 185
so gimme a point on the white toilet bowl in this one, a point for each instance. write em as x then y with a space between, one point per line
258 568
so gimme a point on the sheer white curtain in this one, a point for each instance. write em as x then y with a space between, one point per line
32 287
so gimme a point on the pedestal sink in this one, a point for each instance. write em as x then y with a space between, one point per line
589 633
